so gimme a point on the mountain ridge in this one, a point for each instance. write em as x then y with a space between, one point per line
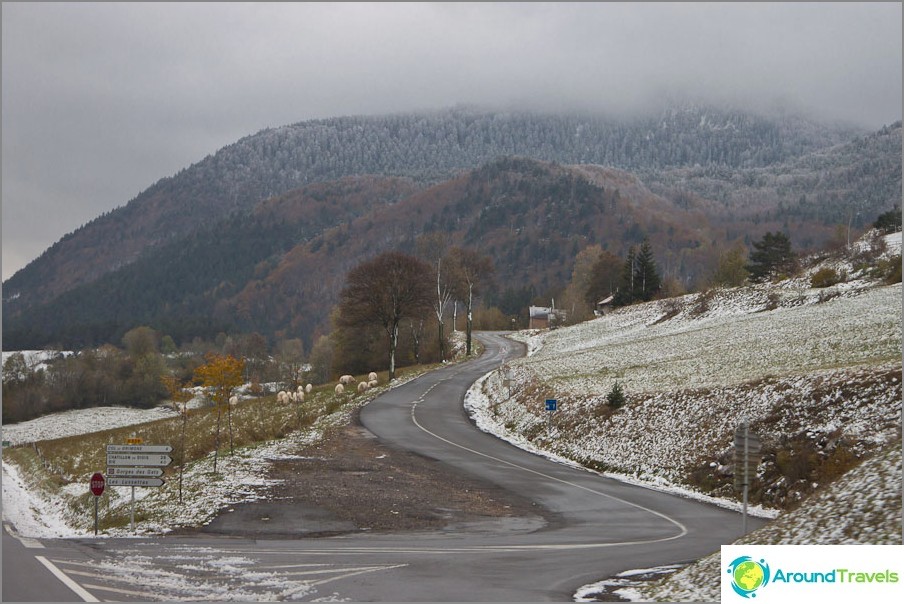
731 204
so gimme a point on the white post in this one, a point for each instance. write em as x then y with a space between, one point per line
746 474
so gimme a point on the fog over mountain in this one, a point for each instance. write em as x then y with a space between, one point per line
102 100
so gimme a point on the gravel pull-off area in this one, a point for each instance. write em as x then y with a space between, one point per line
350 482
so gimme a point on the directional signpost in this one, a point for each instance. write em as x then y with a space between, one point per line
138 459
121 472
135 482
137 465
747 457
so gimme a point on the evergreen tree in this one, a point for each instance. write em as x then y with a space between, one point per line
625 293
772 255
640 280
889 222
616 396
646 277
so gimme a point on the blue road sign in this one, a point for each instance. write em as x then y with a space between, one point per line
551 404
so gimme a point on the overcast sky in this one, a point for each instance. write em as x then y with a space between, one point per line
99 101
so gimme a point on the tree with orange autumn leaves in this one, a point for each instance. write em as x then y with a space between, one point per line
220 376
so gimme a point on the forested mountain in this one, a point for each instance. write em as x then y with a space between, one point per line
279 269
427 147
259 236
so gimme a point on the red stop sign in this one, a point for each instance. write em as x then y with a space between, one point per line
97 484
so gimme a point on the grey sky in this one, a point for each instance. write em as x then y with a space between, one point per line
101 100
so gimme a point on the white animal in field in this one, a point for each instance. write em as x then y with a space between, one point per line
345 380
340 388
372 376
308 388
362 387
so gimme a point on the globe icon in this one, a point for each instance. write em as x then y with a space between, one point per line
748 575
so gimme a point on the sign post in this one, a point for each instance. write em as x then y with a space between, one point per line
97 489
551 406
137 465
747 457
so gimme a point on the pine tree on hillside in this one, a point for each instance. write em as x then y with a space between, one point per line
640 280
625 293
646 277
772 256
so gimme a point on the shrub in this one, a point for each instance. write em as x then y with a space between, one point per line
826 277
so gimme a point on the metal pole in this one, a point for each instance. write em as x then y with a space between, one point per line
746 474
95 516
133 509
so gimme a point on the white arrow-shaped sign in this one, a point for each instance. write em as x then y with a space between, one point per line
139 448
146 472
135 482
138 459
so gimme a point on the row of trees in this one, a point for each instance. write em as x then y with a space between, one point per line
395 288
598 274
384 295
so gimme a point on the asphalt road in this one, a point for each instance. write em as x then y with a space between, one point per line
601 527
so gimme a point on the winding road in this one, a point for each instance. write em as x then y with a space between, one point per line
601 527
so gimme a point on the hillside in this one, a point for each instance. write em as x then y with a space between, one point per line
426 147
278 271
816 372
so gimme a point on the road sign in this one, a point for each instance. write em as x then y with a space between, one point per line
139 449
551 404
123 471
138 459
97 484
747 456
134 482
136 440
746 459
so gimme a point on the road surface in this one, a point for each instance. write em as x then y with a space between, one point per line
601 527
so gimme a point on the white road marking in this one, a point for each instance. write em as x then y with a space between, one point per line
26 541
352 574
81 592
682 529
126 592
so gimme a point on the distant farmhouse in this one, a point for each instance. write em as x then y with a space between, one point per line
604 306
545 317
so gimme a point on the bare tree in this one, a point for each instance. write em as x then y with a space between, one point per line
471 271
432 248
384 291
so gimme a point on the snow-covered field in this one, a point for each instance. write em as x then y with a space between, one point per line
690 380
80 421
